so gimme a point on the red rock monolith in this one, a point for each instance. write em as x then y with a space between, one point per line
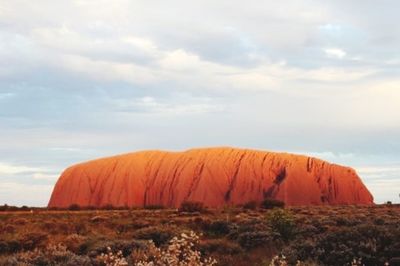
214 176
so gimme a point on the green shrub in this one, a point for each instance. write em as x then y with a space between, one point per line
282 222
159 234
217 228
272 203
192 206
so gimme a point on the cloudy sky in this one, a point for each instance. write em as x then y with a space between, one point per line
84 79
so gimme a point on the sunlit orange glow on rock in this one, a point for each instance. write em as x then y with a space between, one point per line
214 176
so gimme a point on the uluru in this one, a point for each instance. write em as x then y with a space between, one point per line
215 176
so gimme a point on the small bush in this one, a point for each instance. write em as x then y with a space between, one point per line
74 207
341 221
192 206
221 246
108 207
158 234
3 247
282 222
74 242
217 228
379 221
251 240
272 203
251 205
13 246
34 240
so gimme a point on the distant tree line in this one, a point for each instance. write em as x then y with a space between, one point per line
7 208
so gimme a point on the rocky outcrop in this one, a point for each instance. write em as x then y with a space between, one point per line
214 176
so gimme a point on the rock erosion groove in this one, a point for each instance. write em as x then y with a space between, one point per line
214 176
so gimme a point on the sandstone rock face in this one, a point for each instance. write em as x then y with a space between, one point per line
214 176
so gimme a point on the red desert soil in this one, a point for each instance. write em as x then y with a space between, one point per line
214 176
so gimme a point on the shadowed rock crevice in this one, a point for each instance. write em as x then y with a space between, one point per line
195 180
232 183
271 192
309 164
280 176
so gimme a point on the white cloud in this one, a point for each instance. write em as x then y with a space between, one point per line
188 69
38 173
145 45
330 27
335 52
180 60
378 170
67 149
150 105
333 157
44 176
11 169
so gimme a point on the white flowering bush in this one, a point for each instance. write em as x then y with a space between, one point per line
180 252
357 262
111 259
278 260
281 260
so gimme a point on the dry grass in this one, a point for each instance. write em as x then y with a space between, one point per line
233 236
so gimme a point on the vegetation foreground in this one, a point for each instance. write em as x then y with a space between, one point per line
193 235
